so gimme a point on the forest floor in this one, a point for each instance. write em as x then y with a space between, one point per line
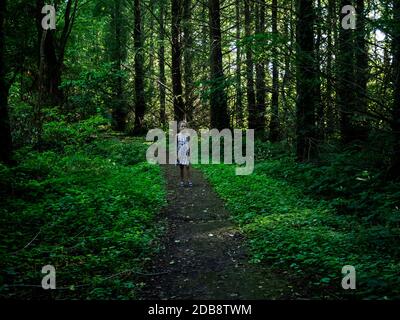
203 254
116 227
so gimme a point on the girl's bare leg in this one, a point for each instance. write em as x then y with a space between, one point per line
186 173
189 174
182 172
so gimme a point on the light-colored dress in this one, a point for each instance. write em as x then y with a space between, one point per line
183 149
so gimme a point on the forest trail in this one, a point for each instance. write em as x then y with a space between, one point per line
203 255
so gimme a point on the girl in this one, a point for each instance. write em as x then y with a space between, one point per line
183 150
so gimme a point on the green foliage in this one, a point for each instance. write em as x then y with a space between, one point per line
6 177
262 44
21 115
125 153
88 211
291 216
59 134
89 91
351 180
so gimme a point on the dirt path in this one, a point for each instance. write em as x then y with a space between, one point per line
204 255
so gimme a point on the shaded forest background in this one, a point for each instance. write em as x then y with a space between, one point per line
288 69
324 100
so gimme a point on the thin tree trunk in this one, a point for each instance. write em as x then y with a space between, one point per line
42 92
289 27
5 132
239 90
205 65
179 106
260 72
274 124
319 104
218 98
120 112
151 65
251 98
330 117
361 69
161 59
188 47
140 107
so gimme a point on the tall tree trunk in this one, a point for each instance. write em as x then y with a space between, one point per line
205 65
5 132
286 81
188 58
251 98
394 172
330 105
54 95
218 98
42 92
149 92
54 52
345 84
161 59
179 106
140 102
260 72
239 90
319 103
274 124
305 81
50 79
361 70
119 112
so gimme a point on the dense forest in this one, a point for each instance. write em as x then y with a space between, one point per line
318 81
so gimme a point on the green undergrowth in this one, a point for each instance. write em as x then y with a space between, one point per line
300 232
87 207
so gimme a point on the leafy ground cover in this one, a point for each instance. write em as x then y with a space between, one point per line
86 204
310 220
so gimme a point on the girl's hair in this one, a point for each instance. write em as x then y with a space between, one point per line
180 123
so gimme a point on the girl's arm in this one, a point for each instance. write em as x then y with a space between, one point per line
177 149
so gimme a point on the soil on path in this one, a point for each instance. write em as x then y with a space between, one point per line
204 255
